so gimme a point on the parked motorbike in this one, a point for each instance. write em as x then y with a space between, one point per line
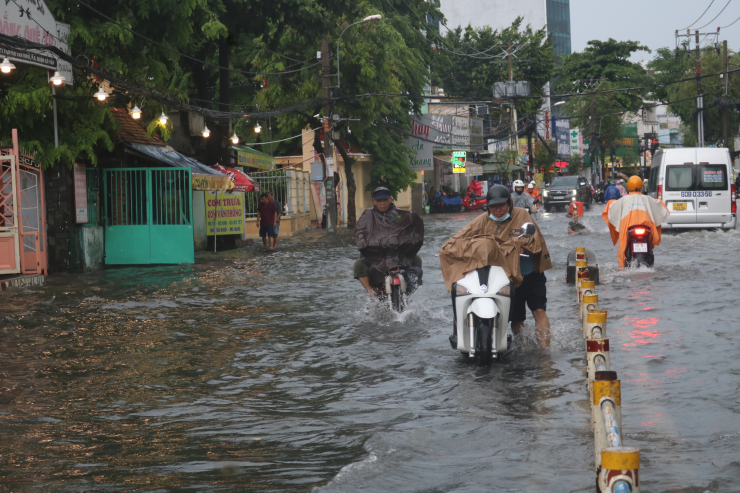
481 305
399 285
444 203
639 249
472 203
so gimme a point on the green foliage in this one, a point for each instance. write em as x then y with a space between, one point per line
604 65
682 96
575 164
473 77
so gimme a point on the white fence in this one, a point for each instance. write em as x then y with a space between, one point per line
290 187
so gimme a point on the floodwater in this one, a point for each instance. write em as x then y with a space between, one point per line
255 371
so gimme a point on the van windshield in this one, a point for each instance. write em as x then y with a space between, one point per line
695 178
565 181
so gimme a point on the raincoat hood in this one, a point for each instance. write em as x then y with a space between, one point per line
388 240
486 242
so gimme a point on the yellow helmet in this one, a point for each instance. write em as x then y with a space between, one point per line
634 184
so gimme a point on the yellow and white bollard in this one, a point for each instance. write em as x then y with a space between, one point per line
606 412
598 359
581 254
585 287
581 274
590 302
594 327
619 470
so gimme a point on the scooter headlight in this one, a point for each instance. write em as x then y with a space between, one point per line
505 291
461 290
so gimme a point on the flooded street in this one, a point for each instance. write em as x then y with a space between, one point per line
254 371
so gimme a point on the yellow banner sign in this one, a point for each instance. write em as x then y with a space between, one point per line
212 182
254 160
225 213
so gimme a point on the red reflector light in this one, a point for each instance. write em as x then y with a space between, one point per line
640 231
396 281
660 192
733 196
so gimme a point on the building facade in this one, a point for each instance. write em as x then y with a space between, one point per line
499 14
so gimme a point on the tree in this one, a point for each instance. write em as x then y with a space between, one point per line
390 56
603 66
670 66
575 164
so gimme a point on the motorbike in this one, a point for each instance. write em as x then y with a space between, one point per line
639 249
599 196
472 202
481 305
444 203
398 286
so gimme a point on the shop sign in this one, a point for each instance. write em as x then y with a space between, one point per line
211 182
32 20
80 180
441 130
254 160
476 134
460 135
420 129
224 213
458 161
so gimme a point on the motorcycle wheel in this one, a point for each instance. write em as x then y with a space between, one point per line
396 298
484 344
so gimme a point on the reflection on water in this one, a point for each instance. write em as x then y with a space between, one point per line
274 372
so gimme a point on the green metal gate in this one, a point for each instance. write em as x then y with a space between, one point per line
148 216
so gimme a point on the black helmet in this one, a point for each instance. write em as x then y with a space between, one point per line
497 194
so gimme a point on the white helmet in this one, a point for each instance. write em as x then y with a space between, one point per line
518 183
531 185
532 182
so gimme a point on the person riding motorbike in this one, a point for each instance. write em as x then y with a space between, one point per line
612 192
532 190
521 199
620 186
388 238
633 210
489 240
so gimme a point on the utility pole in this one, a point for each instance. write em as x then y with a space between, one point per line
725 80
514 126
592 120
331 200
699 99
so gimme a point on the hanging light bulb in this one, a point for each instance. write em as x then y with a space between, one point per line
206 133
257 129
136 113
101 94
234 139
163 119
6 66
57 79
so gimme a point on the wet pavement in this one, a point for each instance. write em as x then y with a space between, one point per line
271 371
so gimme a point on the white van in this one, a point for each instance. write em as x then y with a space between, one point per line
696 185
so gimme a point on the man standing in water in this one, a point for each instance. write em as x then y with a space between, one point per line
266 219
279 208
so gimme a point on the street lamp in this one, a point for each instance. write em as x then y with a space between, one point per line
375 17
57 79
6 66
234 139
163 118
206 133
136 113
101 94
257 128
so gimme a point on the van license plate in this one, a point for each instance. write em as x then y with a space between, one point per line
679 206
639 247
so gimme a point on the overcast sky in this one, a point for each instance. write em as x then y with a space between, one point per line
652 22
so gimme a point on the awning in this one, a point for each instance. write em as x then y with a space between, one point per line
203 177
502 168
253 159
241 181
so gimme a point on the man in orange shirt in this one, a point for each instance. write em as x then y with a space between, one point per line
531 190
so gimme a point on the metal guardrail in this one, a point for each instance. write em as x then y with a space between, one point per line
616 465
292 188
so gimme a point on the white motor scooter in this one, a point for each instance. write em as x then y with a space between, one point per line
482 302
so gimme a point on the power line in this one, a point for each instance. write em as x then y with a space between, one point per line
172 50
702 15
733 22
720 13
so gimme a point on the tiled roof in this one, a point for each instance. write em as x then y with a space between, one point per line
130 131
350 148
